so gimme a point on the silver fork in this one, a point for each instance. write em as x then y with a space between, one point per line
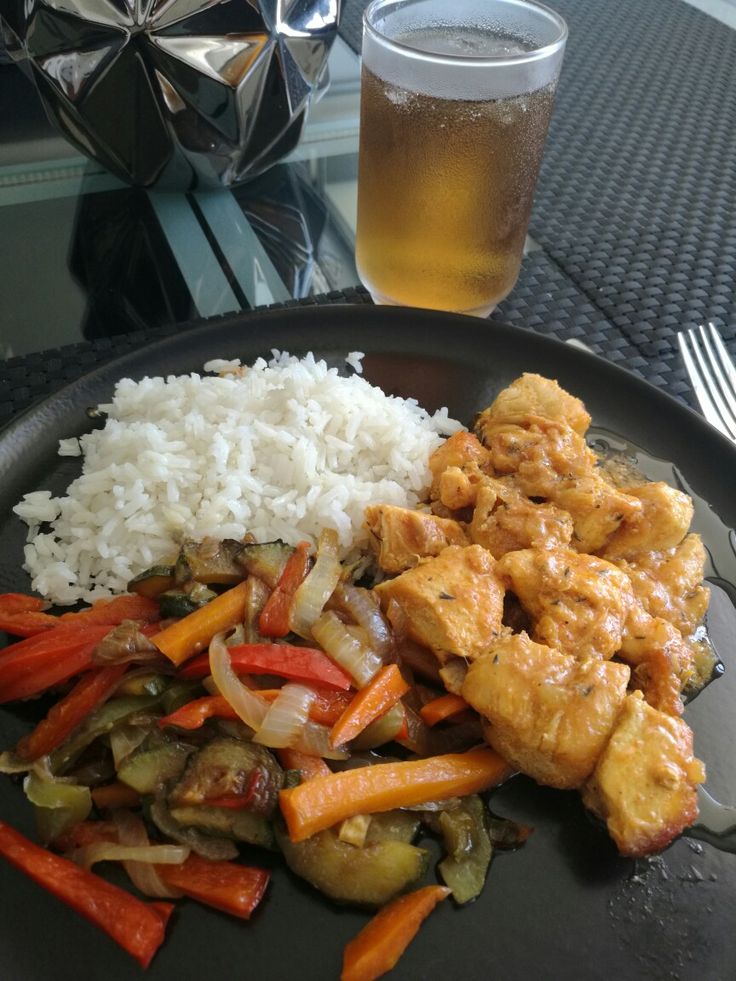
713 376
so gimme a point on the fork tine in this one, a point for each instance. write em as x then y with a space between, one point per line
722 371
726 361
709 374
698 380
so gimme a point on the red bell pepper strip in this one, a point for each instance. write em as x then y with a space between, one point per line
309 766
285 660
31 621
31 666
235 889
194 714
274 618
137 926
27 624
90 691
326 709
114 611
12 603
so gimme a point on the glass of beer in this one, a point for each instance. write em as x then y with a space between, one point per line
456 99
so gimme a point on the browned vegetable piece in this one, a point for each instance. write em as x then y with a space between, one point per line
265 560
153 581
368 876
233 772
226 823
210 561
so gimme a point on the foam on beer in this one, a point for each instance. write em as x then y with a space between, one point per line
478 62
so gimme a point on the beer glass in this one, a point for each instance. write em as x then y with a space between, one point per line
456 99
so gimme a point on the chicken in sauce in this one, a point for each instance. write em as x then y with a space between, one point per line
608 581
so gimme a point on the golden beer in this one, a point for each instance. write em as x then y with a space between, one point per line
446 182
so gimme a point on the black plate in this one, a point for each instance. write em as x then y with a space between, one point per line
563 906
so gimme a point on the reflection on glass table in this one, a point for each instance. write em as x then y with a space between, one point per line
85 256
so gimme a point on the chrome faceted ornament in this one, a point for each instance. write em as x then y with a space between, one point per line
175 93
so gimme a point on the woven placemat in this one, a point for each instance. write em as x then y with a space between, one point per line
544 300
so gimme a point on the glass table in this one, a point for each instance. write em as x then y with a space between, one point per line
84 256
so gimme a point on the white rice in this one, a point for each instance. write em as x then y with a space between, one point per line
279 450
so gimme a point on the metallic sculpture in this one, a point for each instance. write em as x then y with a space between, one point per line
178 93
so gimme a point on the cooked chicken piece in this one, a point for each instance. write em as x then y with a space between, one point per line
505 521
579 604
542 455
458 488
549 460
669 584
452 604
463 451
401 536
644 786
452 674
661 523
662 660
597 509
534 395
550 714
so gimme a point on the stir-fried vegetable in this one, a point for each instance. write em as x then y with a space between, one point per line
382 693
380 944
320 803
286 660
137 926
168 733
274 619
192 634
89 692
231 888
30 666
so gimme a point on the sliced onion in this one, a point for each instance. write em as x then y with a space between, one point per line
364 608
351 653
54 794
311 596
133 836
248 706
286 717
354 829
124 739
111 851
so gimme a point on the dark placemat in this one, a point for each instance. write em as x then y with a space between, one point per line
636 203
637 200
544 300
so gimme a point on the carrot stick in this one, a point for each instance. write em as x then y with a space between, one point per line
192 633
384 690
137 926
322 802
114 795
442 708
380 944
309 766
274 618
